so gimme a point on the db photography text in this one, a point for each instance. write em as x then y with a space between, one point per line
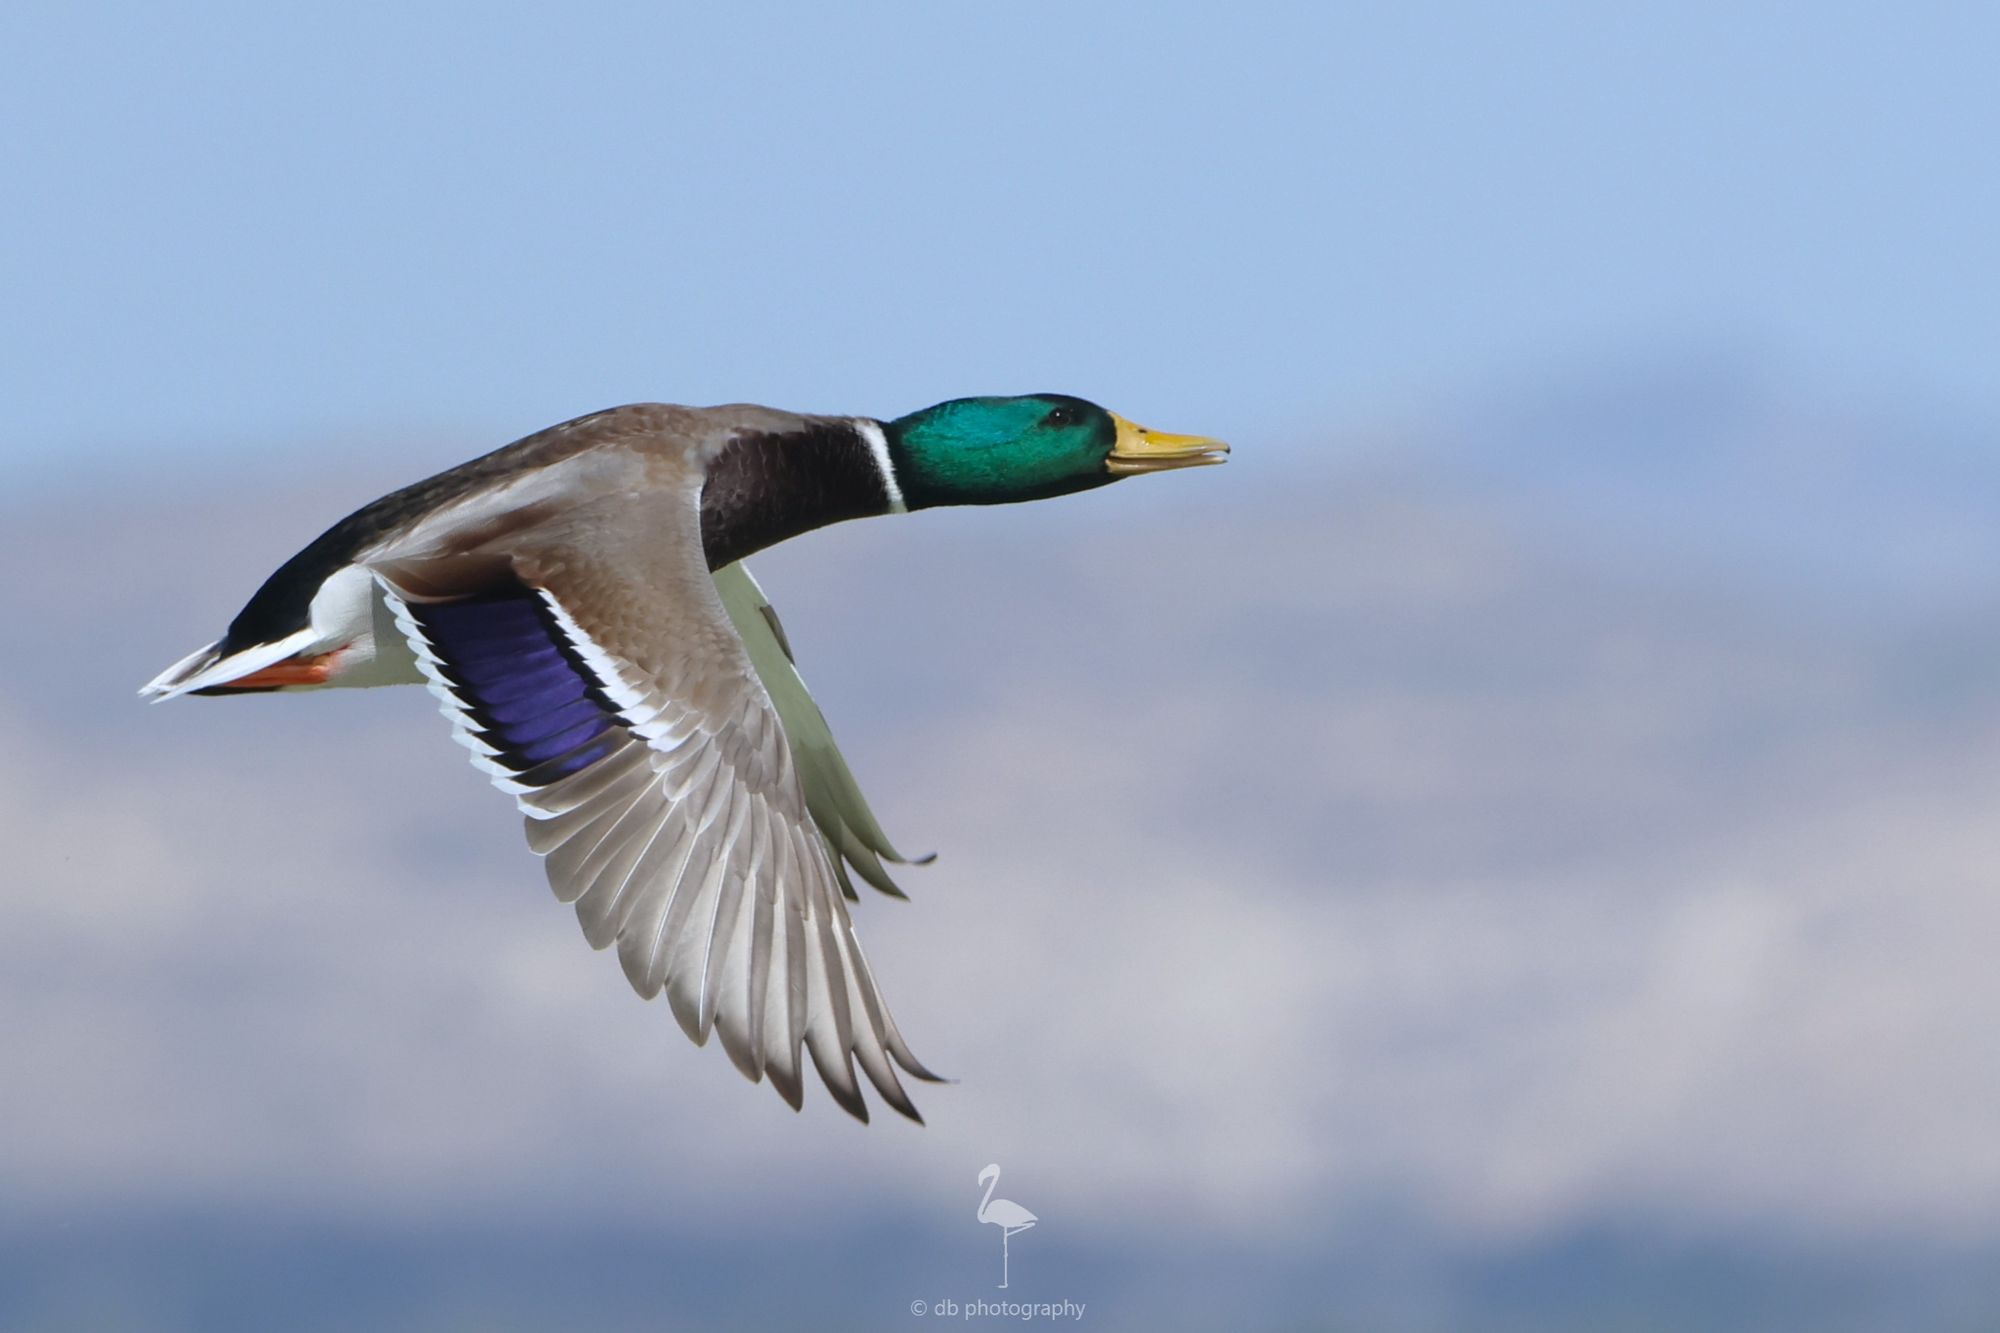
985 1309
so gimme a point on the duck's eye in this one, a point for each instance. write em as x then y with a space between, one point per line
1060 416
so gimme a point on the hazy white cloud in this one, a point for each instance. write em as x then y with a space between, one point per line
1293 868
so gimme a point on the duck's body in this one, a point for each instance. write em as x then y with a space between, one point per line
762 476
575 602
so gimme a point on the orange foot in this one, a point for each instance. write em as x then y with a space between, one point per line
292 671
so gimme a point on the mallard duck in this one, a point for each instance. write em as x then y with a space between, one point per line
577 603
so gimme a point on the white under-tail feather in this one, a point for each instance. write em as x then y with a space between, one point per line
347 615
206 667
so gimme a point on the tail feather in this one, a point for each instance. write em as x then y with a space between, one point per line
207 667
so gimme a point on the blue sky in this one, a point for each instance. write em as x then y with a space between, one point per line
1517 838
237 227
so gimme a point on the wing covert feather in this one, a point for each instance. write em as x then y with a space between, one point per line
660 785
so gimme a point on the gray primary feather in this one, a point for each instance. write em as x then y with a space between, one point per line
834 797
695 842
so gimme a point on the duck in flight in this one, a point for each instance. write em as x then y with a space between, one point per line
577 603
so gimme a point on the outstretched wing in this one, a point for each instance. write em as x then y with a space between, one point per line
590 666
832 795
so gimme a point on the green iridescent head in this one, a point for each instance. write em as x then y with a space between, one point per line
998 450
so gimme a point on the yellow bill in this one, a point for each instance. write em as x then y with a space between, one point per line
1140 450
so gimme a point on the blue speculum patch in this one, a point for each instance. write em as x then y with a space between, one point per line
531 697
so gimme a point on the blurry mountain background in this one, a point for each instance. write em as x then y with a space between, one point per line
1515 849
